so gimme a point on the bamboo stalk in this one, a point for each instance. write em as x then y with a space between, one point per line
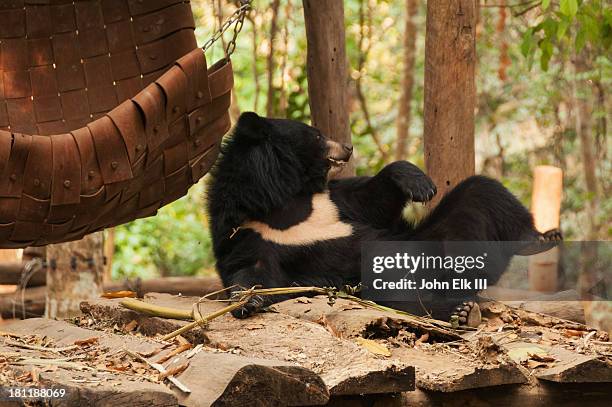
156 310
204 320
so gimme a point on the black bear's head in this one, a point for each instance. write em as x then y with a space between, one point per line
272 160
293 143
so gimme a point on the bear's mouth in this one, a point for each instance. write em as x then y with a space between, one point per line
336 162
338 154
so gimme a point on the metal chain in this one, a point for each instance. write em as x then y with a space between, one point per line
236 19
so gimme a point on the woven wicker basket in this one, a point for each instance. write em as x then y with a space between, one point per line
108 111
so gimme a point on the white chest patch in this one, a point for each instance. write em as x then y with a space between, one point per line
323 224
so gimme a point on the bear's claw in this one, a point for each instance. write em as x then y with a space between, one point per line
254 305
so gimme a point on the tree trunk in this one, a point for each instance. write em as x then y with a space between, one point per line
450 92
583 120
403 114
75 273
273 30
327 71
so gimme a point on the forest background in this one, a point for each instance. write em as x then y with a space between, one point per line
543 82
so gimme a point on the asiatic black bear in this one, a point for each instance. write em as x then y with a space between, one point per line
276 221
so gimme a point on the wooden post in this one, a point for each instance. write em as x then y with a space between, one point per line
75 273
327 70
109 253
545 207
450 92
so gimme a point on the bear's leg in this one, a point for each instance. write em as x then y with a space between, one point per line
481 209
385 194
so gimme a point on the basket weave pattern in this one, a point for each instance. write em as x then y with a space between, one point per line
108 111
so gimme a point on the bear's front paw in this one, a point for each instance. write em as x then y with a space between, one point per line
254 305
415 185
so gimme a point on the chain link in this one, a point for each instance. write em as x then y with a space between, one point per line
237 20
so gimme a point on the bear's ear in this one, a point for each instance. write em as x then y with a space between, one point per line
253 126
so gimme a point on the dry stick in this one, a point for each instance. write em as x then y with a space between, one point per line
160 369
54 362
40 348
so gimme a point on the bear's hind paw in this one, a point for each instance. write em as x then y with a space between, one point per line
544 242
468 313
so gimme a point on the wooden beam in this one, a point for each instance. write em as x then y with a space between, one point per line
213 378
10 273
344 366
439 371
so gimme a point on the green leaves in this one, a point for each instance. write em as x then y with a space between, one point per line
562 28
547 52
581 38
528 42
567 27
568 7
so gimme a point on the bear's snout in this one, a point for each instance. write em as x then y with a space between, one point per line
338 153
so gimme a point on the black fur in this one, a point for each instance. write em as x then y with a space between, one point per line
269 170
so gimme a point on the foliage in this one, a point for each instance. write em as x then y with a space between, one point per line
175 242
568 26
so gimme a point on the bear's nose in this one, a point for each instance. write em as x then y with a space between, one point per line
347 148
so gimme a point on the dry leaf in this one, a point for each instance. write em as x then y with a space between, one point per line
88 341
119 294
174 371
573 332
374 347
541 357
303 300
251 327
523 353
150 353
130 326
534 364
347 307
329 326
423 338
